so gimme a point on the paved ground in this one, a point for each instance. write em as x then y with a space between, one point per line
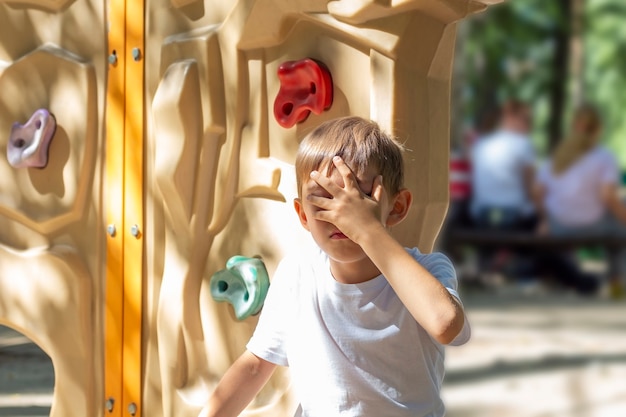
539 355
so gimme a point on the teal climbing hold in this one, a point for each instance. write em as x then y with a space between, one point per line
244 284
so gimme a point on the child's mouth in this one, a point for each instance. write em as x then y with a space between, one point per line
338 235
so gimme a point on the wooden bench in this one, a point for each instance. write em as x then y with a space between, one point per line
519 240
455 239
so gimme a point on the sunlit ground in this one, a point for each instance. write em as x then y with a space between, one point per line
539 355
26 377
549 354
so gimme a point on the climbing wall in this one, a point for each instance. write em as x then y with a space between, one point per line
232 89
147 184
52 81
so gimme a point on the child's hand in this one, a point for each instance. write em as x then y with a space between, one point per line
351 210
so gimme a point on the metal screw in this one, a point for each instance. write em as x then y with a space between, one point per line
134 230
132 409
136 54
109 404
113 58
111 230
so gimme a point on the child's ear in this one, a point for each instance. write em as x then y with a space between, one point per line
399 207
297 204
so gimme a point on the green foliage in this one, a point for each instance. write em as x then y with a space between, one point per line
605 67
508 51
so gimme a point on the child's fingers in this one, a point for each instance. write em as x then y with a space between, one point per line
345 171
320 202
324 182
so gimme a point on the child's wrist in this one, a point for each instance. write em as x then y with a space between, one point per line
371 235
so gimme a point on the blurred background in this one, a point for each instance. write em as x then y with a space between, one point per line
541 346
553 54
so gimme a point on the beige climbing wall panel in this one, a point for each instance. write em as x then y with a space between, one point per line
51 236
219 171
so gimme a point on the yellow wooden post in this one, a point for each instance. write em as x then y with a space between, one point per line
123 195
114 208
133 204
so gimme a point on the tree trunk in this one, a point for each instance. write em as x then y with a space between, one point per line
577 56
560 66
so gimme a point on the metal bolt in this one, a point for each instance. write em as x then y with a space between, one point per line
132 409
134 230
113 58
111 230
109 404
136 54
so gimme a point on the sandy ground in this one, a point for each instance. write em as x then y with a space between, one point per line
537 355
26 376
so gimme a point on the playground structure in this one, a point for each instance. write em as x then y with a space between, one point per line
150 142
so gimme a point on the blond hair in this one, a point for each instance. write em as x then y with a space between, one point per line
584 136
360 143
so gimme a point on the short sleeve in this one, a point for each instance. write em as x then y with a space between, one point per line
528 152
440 266
269 339
610 169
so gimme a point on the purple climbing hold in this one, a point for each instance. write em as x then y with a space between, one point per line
28 144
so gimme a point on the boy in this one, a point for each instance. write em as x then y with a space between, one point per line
361 321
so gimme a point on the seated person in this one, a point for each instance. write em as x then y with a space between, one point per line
503 168
577 188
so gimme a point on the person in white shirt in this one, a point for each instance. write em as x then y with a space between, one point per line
361 321
503 169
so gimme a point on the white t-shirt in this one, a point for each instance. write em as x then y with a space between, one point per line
498 164
573 198
352 349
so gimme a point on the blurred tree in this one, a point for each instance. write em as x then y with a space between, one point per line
560 34
577 58
518 49
553 54
605 67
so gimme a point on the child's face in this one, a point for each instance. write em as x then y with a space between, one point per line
327 236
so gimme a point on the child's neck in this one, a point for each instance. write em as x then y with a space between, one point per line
354 272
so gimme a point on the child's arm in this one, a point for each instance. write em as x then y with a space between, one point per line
238 387
430 303
365 220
